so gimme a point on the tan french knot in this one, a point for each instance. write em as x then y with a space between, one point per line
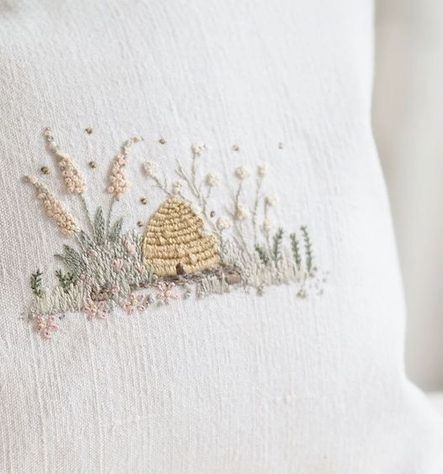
187 247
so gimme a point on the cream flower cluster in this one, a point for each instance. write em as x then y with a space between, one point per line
118 182
241 212
198 149
212 180
72 177
223 223
242 173
54 209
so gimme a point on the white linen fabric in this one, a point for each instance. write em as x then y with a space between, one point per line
233 383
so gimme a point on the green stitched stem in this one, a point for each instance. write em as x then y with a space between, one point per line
86 211
295 246
308 248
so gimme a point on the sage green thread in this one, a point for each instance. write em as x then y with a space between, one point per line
295 247
308 249
36 284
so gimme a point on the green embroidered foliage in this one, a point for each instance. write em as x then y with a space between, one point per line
276 247
116 229
67 280
36 284
73 260
99 226
262 253
295 247
308 248
85 241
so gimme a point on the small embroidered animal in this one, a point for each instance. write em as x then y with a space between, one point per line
187 245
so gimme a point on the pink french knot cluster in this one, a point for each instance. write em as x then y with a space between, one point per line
118 182
54 209
46 325
72 177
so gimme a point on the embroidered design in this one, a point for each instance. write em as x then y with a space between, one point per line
187 247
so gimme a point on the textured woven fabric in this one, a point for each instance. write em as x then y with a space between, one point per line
234 383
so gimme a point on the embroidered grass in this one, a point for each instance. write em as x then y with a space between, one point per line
187 246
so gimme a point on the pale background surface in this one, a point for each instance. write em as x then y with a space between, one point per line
408 128
233 383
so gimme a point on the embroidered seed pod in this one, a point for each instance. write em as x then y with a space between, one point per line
174 241
54 209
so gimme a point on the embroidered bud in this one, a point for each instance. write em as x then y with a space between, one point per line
150 168
177 187
72 177
223 223
242 173
271 201
262 170
54 209
212 180
118 183
198 149
241 213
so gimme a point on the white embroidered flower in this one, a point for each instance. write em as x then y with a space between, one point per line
198 149
54 209
212 180
242 173
271 201
150 168
177 187
241 213
262 170
223 223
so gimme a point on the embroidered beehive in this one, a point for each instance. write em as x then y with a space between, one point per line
175 242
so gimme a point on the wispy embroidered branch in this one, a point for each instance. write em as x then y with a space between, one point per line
308 248
295 247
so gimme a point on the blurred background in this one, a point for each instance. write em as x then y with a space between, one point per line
408 127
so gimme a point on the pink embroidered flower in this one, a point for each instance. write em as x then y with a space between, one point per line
134 303
46 326
166 292
130 246
117 264
96 309
118 183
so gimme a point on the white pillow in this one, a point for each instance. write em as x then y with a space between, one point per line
287 369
